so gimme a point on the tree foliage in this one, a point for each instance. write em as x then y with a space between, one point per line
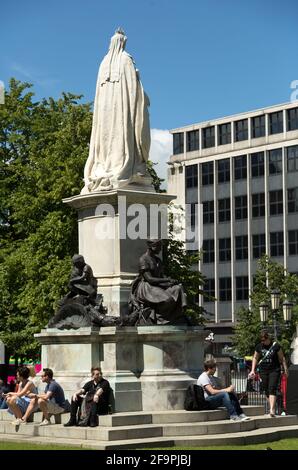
269 276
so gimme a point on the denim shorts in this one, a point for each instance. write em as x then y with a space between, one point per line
22 403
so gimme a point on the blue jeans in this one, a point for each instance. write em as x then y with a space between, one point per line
222 399
4 405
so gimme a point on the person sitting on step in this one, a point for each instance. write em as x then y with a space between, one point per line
52 401
220 396
19 401
90 400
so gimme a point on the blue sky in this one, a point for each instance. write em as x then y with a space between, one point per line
198 59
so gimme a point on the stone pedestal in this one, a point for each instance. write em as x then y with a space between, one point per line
113 226
149 368
223 370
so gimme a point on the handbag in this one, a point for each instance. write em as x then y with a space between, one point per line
86 407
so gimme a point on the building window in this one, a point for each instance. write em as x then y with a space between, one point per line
258 126
223 170
241 130
224 210
208 212
241 287
293 242
224 134
276 243
207 173
209 289
257 164
241 207
208 251
225 289
193 214
240 167
292 158
224 249
275 161
276 123
208 137
241 245
258 204
191 176
178 143
275 201
258 245
293 200
193 140
292 119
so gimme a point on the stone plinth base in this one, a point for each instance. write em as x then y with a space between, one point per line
149 368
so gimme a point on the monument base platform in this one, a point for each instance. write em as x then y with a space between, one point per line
148 367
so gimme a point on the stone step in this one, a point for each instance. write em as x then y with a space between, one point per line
226 426
172 416
99 433
35 417
143 417
256 436
145 431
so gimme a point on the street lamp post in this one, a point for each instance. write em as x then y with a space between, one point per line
275 301
275 304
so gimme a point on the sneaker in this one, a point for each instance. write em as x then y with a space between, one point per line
45 422
17 422
243 417
235 418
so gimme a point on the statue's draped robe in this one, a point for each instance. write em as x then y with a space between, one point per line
120 139
167 302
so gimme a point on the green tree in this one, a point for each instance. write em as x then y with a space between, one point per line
156 180
43 148
269 276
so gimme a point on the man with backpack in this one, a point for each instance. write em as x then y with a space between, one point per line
216 397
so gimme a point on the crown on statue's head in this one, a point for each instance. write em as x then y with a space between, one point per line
120 31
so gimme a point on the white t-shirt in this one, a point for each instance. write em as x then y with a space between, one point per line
204 380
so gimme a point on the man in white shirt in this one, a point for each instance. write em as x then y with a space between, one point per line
220 397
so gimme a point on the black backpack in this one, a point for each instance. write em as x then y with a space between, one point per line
194 399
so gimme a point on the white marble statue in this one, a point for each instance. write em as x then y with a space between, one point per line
120 138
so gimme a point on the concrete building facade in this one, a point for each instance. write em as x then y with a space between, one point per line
243 171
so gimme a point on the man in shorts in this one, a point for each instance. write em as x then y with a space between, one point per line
52 401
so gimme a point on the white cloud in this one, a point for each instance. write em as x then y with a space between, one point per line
160 151
34 76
